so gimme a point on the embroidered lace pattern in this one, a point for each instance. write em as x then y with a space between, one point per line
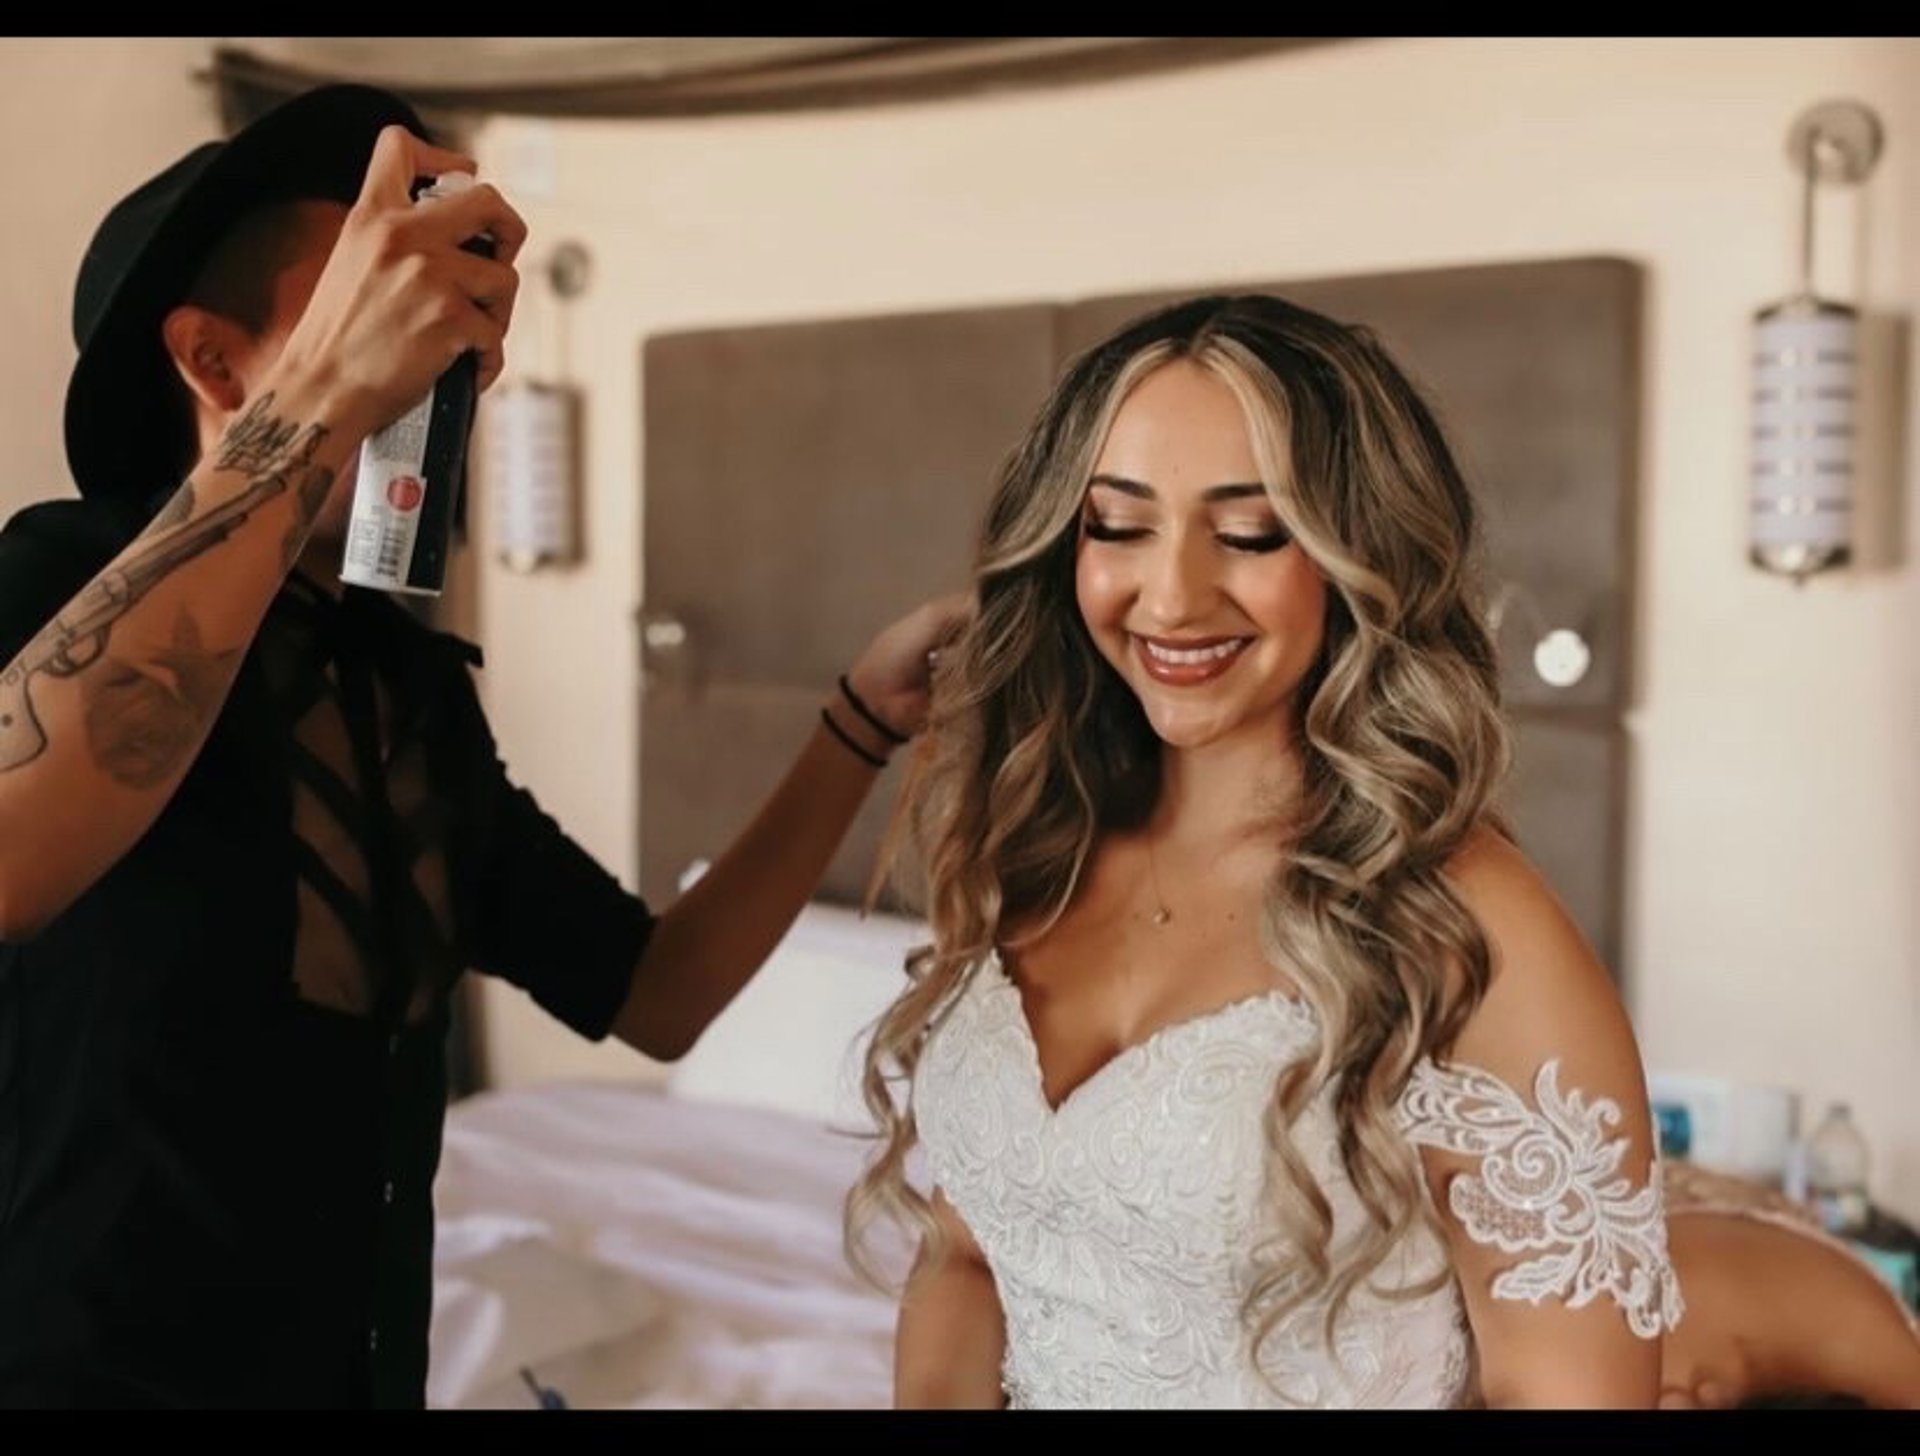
1123 1227
1549 1186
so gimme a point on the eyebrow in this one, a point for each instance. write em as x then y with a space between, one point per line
1239 490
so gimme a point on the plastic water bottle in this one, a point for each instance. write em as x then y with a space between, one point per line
1836 1173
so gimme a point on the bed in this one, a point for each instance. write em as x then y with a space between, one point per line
678 1244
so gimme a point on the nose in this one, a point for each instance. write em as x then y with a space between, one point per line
1178 587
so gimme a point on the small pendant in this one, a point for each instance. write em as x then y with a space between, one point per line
1162 915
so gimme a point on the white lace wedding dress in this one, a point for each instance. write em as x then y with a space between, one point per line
1121 1226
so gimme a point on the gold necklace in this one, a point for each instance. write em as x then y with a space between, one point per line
1162 914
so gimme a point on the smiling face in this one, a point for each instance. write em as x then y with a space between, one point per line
1189 584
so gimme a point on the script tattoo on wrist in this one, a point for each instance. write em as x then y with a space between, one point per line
259 442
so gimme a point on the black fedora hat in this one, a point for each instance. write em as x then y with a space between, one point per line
125 434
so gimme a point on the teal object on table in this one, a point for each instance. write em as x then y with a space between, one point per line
1898 1267
1673 1124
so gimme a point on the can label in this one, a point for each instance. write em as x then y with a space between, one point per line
389 491
407 488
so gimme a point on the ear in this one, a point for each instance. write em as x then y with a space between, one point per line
205 349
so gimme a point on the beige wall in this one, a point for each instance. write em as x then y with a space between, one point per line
1773 929
85 120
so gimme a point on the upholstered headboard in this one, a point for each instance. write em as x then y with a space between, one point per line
807 482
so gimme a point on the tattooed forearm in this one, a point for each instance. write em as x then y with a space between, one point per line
145 720
258 440
275 453
175 512
307 500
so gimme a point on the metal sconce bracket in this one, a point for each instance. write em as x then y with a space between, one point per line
1839 141
1835 141
568 269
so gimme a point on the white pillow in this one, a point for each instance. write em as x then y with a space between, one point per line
793 1040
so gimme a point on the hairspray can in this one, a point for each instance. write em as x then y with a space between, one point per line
407 490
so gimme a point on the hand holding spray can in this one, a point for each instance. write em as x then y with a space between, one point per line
407 490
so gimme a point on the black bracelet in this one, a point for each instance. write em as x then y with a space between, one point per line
873 718
841 734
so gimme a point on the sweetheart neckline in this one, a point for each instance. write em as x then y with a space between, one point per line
1294 1006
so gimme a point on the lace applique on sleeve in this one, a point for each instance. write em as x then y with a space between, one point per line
1549 1184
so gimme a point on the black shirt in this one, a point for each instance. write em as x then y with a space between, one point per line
223 1068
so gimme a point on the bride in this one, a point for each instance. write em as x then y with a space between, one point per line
1253 1064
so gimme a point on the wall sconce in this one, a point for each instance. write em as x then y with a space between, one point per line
1806 352
532 434
533 437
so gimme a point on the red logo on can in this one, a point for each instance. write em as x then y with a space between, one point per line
404 492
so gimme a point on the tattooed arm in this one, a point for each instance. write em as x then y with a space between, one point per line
103 711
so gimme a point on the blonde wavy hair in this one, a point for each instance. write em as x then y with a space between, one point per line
1036 748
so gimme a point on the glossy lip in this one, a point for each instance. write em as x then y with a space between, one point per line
1186 674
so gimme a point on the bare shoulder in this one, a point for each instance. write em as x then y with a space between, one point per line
1507 893
1550 996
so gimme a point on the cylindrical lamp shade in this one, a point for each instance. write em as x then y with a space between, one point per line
1800 503
531 436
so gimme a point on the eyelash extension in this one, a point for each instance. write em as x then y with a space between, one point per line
1258 545
1253 545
